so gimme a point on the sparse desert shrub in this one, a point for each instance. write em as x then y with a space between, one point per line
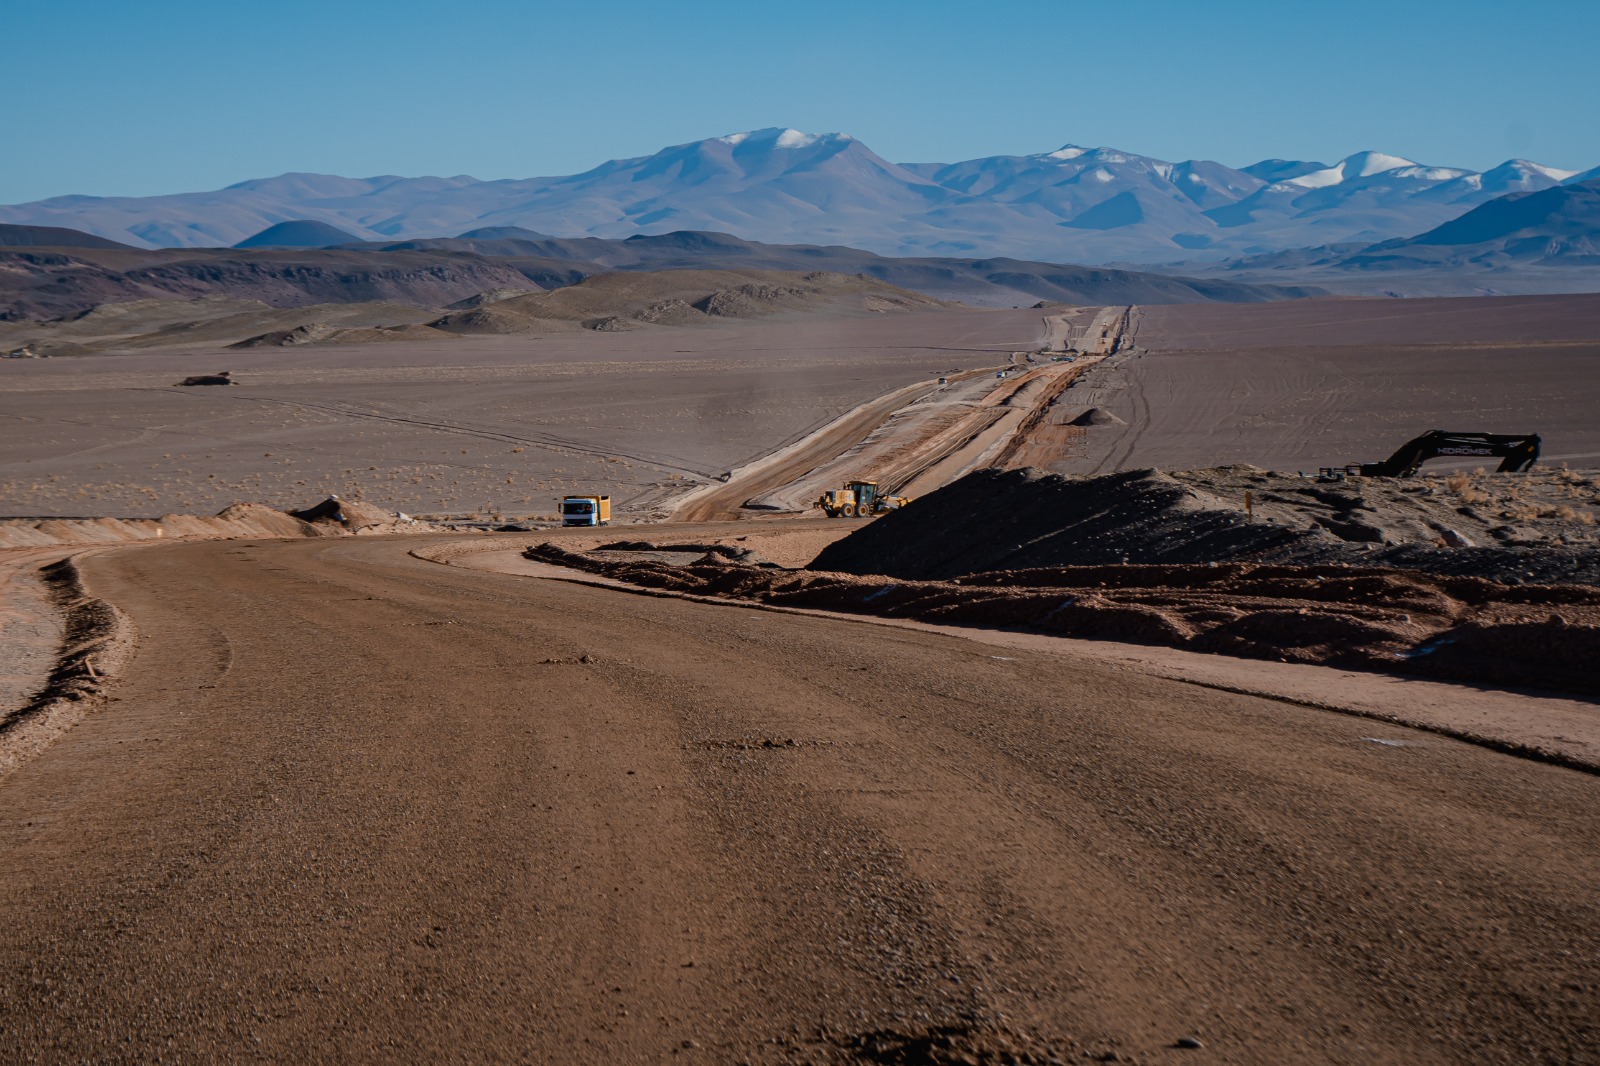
1463 487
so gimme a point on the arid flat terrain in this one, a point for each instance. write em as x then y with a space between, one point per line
376 797
1297 386
467 426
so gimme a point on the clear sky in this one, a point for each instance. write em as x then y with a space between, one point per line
137 97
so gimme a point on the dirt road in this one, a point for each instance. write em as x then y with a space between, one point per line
923 436
356 806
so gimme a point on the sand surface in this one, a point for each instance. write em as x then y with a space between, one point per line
352 804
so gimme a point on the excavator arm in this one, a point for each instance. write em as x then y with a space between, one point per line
1515 452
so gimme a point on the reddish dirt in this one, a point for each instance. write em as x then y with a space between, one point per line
358 806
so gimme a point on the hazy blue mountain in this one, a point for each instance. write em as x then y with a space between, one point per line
300 233
51 237
1554 225
1074 204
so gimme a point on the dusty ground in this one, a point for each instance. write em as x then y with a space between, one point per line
1296 386
617 828
482 426
350 803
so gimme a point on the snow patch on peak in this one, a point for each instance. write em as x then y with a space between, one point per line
1318 179
796 139
776 137
1429 173
1366 164
1539 168
1066 151
1101 174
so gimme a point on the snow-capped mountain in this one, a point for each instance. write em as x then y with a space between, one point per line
779 185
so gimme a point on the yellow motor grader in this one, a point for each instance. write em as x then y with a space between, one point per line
859 499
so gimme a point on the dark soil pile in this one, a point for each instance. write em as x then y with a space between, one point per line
1546 636
1001 520
1097 416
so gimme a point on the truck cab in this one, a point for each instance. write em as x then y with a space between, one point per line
586 511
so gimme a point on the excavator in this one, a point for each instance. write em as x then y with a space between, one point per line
1516 453
858 499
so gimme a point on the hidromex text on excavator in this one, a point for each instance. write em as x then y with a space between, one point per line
1516 452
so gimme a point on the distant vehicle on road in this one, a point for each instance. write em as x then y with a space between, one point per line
586 511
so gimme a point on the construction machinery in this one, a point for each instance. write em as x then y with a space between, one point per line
859 499
1516 452
586 510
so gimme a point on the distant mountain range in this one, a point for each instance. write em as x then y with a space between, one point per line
1551 236
1082 205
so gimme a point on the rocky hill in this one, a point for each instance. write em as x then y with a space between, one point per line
39 283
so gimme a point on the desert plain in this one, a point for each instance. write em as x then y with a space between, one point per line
556 795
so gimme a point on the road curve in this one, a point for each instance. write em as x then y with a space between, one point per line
354 806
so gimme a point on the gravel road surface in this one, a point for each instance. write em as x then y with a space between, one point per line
355 806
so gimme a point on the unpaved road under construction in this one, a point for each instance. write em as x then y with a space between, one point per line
928 434
355 806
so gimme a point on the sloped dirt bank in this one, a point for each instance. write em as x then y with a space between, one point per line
96 642
1510 528
1365 617
331 517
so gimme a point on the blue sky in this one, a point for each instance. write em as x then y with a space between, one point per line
137 98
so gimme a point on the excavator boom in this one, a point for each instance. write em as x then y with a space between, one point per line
1515 452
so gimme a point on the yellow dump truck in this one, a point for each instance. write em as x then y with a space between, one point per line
586 510
858 499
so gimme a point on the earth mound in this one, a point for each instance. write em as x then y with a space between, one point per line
330 518
489 319
351 515
1514 528
749 300
482 299
1097 416
310 333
